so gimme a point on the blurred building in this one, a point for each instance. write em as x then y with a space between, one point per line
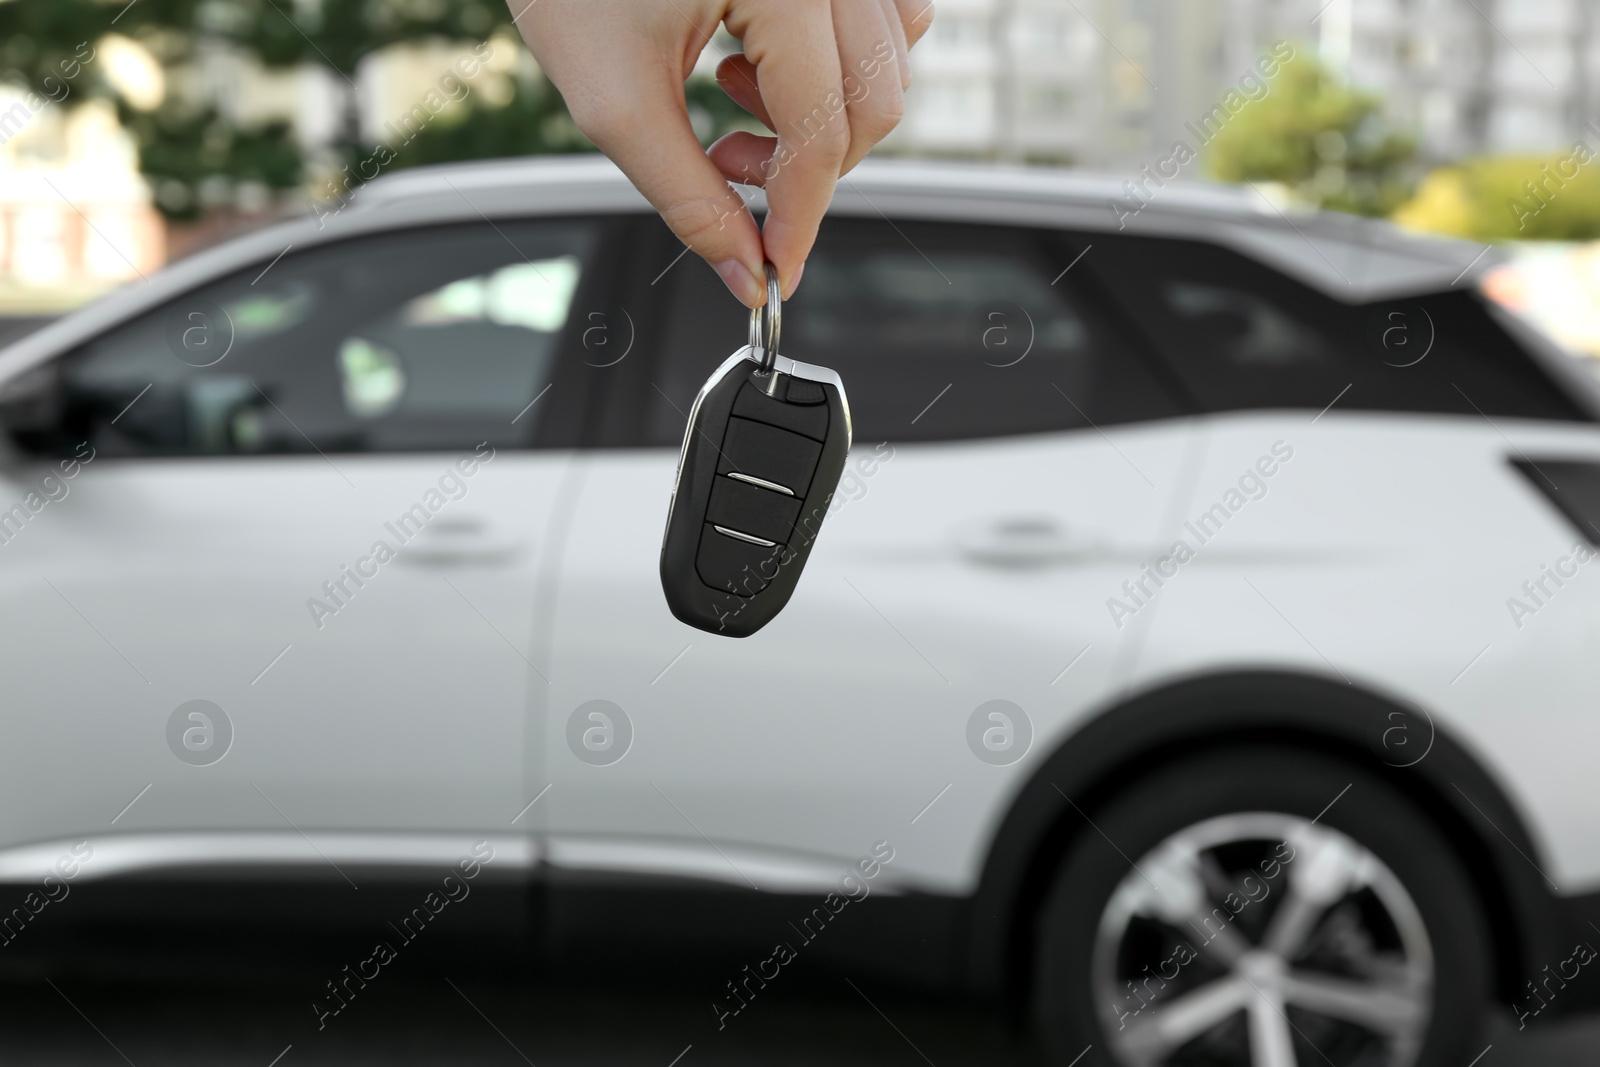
1472 78
75 216
1110 83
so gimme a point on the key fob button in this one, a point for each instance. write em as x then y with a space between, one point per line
733 565
802 416
769 453
804 392
764 513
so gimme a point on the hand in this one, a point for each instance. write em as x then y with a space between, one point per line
827 76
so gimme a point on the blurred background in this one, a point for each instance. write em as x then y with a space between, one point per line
133 133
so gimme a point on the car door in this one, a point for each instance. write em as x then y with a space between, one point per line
1013 465
286 577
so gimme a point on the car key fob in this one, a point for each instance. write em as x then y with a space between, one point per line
762 455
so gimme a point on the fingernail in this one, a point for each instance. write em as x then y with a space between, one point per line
794 283
741 282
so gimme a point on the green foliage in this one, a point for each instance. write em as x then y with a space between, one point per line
1324 141
35 39
336 34
533 121
714 113
1518 197
195 160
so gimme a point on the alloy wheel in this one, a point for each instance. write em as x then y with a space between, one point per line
1262 939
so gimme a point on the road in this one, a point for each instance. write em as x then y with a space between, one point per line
456 1018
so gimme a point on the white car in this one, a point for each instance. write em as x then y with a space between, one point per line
1199 651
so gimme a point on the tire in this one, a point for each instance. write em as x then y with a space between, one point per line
1143 957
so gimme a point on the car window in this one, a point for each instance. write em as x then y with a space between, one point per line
1238 335
940 332
432 339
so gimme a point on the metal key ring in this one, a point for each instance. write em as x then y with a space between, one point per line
768 346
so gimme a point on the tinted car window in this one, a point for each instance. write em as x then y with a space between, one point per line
941 332
431 339
1239 335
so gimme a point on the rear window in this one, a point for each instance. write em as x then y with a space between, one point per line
1239 335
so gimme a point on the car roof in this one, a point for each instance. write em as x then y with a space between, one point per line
1351 259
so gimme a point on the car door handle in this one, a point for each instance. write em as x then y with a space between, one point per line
1020 541
460 541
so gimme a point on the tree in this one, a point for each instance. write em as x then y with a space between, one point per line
534 121
36 38
335 35
197 158
193 155
1325 142
1516 197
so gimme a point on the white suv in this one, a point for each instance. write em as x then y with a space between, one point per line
1198 651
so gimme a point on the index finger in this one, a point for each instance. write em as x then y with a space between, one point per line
797 68
654 144
634 111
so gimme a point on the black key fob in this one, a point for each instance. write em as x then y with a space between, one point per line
762 455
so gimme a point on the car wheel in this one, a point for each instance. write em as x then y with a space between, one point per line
1267 907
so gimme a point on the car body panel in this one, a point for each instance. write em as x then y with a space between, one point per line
845 720
154 583
1384 555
